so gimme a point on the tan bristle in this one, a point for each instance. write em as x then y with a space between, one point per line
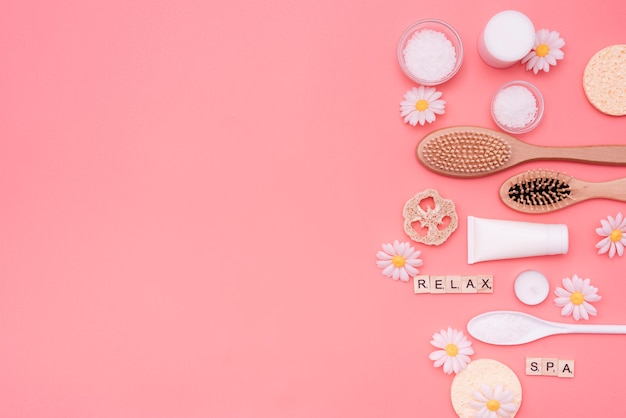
539 189
467 152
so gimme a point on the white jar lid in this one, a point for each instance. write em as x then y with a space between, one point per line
507 38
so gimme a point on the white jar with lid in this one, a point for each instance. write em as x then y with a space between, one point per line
506 39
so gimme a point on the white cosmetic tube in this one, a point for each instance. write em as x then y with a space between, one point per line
494 239
506 39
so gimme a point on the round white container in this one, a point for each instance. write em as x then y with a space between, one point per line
506 39
531 287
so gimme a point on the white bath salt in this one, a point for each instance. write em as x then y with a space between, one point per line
515 107
506 329
429 55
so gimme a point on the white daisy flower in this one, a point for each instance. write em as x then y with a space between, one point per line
399 260
545 52
575 297
421 104
493 402
614 232
454 352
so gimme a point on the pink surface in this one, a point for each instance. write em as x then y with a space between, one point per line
193 194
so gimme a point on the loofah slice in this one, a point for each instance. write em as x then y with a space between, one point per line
433 220
477 373
604 80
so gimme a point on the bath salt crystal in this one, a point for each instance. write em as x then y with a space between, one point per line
429 55
515 107
506 329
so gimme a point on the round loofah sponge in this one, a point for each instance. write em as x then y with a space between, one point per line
477 373
439 222
604 80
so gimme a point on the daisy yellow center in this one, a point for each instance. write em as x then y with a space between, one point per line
577 298
542 50
452 350
616 235
398 261
421 105
493 405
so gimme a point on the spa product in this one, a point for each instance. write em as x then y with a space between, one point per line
531 287
495 239
439 221
541 191
513 328
517 107
485 380
506 39
472 151
430 52
604 80
429 55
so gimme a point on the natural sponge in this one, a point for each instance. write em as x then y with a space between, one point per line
484 375
604 80
439 221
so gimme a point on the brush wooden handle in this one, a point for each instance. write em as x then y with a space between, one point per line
600 154
614 189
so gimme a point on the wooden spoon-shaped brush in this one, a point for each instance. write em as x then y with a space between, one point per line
541 191
471 151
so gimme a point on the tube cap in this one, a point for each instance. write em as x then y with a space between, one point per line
558 239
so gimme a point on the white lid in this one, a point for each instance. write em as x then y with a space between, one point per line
509 36
558 239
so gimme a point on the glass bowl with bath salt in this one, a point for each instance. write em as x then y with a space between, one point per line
430 52
517 107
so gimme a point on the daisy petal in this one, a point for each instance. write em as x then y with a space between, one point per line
437 355
567 310
383 263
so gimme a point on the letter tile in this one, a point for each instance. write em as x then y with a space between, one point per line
550 367
421 284
533 366
453 284
485 283
437 284
469 284
566 368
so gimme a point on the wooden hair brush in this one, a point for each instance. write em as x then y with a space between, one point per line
541 191
471 151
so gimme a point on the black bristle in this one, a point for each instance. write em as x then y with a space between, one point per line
539 189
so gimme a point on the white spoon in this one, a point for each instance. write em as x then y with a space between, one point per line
512 328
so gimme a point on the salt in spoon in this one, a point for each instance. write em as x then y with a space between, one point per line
513 328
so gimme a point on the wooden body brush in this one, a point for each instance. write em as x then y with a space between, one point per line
471 151
541 191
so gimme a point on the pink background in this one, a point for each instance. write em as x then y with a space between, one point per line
193 194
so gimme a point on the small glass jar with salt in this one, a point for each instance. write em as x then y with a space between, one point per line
430 52
517 107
